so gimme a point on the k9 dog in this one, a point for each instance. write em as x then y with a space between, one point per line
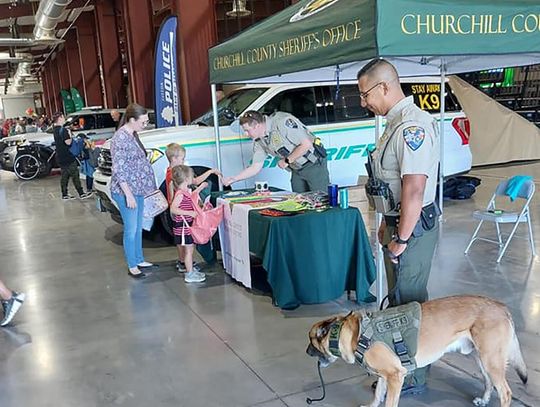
451 324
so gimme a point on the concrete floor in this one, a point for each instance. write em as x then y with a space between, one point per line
89 335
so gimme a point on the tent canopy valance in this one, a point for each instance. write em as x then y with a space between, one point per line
313 40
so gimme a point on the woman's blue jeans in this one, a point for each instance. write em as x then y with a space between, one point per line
132 219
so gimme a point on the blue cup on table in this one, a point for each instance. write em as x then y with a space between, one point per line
344 198
333 195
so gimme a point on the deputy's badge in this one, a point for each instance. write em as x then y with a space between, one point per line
275 139
414 137
291 123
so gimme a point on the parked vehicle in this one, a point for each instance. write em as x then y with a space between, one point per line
94 122
331 112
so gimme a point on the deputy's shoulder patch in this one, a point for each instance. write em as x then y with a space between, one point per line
414 137
291 123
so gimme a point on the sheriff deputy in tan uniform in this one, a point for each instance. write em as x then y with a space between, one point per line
407 159
283 135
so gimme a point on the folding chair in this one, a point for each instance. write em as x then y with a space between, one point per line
492 214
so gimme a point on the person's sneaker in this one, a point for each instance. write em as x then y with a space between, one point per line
67 197
194 277
181 267
147 264
11 307
85 195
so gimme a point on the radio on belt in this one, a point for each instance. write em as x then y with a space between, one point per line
378 192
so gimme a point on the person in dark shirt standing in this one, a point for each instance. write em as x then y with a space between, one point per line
67 161
116 116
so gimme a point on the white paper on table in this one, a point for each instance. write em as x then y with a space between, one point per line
234 238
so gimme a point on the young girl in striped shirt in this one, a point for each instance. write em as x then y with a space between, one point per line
183 212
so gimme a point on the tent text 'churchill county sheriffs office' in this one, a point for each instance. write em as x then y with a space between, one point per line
309 40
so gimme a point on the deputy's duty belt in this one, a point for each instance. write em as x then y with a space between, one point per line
426 222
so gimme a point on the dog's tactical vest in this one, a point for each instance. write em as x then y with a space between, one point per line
396 327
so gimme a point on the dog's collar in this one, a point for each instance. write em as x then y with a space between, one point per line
335 331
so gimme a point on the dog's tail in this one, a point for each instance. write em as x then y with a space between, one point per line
515 357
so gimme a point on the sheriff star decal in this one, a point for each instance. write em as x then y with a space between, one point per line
313 7
291 123
414 137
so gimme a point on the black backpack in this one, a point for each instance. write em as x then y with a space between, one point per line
460 187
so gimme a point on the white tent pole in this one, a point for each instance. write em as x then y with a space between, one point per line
378 219
441 134
216 131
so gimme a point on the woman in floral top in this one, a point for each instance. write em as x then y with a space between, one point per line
132 179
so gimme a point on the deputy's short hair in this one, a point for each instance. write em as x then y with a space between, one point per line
251 117
173 150
377 66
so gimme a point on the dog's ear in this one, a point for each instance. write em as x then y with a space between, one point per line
323 330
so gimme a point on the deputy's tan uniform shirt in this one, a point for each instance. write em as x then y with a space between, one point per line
409 145
282 130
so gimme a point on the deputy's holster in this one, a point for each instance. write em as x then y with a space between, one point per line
309 158
318 147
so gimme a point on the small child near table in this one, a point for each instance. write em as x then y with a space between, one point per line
176 154
183 213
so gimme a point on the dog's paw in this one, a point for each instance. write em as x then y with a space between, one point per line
480 402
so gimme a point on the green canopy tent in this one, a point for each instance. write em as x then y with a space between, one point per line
310 39
318 40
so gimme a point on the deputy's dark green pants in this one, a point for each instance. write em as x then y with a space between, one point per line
415 267
311 178
70 171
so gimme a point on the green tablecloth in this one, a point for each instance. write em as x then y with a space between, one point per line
314 257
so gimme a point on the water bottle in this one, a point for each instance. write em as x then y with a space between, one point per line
344 198
333 195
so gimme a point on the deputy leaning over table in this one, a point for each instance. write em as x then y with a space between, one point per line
282 135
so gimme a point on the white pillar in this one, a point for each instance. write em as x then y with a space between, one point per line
216 131
441 133
379 257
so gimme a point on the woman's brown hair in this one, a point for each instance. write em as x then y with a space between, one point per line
134 110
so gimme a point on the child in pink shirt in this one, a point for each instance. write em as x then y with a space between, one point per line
183 213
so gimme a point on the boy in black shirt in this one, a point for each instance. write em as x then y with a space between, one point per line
67 161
